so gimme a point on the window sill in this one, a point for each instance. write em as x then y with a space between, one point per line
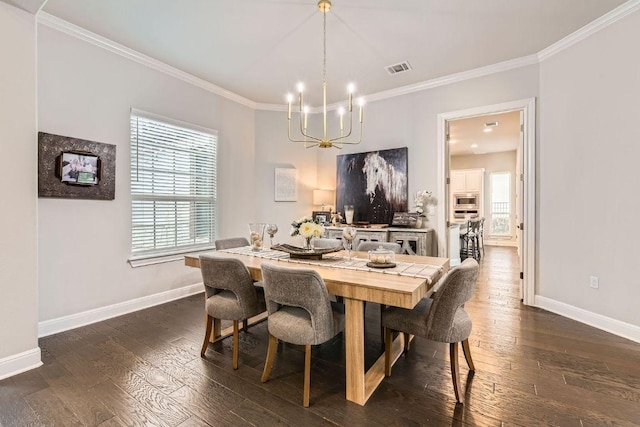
152 259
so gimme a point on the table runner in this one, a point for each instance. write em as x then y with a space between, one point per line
410 269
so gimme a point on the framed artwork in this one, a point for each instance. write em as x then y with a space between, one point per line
375 183
286 185
323 217
74 168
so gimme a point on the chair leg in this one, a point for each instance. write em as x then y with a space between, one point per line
407 342
207 335
271 353
235 345
455 370
307 375
467 354
388 338
245 325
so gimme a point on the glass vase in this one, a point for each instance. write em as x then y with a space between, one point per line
307 244
256 236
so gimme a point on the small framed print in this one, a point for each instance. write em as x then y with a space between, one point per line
323 217
285 188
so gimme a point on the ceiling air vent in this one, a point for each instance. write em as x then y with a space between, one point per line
398 68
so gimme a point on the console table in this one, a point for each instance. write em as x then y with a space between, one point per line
414 241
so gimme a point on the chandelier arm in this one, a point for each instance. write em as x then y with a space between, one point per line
298 140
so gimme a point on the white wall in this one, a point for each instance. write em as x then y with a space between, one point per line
491 162
274 150
411 121
589 150
18 223
87 92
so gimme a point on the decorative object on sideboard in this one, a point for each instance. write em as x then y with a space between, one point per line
374 182
321 217
405 219
324 142
75 168
424 204
349 211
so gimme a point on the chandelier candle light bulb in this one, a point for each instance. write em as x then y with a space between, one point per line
323 142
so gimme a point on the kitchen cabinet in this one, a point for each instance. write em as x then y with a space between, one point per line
467 181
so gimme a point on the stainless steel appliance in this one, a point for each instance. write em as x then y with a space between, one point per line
466 201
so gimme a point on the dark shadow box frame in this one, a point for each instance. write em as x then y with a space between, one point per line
50 184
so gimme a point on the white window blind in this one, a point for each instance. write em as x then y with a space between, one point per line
173 186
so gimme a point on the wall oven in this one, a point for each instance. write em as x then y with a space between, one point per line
466 201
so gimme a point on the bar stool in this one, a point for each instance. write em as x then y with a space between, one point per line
470 240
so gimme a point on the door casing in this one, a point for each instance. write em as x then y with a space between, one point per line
528 170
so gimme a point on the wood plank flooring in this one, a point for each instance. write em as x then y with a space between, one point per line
533 368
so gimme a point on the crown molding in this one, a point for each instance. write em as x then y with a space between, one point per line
591 28
97 40
450 79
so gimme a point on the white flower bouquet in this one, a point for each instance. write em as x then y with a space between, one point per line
307 228
423 200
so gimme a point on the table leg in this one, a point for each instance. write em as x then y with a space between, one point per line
360 383
354 343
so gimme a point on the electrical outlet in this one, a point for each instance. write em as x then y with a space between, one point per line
594 282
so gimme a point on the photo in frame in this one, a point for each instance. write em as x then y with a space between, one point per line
79 167
374 182
323 217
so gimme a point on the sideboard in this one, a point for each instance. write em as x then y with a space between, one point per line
414 241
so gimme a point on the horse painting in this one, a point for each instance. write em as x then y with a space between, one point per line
374 182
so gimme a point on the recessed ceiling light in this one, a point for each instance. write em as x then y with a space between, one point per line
488 127
487 130
474 145
452 141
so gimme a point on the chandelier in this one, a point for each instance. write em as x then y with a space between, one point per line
324 142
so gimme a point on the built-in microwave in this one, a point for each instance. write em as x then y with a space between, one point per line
466 201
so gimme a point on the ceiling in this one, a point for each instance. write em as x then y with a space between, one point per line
468 136
260 49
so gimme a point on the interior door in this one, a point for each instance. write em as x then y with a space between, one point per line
520 202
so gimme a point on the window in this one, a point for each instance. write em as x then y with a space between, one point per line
173 186
500 204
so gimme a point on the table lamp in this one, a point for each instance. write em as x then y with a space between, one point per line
323 198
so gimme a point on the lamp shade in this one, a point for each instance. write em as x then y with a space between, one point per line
323 197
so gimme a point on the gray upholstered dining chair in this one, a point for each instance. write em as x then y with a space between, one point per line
299 313
232 242
323 243
237 242
441 319
230 295
365 246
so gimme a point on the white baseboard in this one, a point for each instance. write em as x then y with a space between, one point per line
61 324
21 362
617 327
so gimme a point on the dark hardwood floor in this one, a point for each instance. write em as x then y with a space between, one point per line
533 368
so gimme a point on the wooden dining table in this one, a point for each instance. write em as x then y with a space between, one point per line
357 287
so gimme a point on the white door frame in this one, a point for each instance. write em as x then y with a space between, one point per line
528 172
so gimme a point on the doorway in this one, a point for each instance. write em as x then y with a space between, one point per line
509 212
